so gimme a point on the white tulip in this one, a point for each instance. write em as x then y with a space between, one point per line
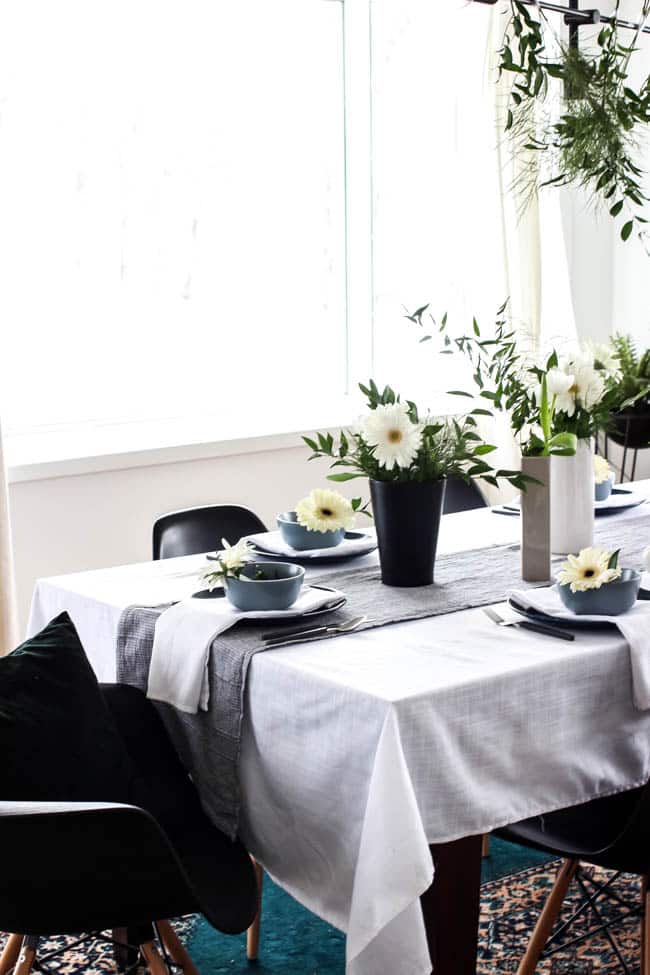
558 382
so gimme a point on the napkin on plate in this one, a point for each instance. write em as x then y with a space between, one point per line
274 543
178 672
633 625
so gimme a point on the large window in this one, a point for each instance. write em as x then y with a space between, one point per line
214 209
172 210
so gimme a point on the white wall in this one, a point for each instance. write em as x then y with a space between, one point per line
66 524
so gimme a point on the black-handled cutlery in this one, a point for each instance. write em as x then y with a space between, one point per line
542 628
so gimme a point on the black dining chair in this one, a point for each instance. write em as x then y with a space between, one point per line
191 531
73 867
462 496
612 832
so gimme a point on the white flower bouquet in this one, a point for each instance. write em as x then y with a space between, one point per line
551 404
394 443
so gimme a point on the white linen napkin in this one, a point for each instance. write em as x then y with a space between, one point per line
178 672
274 543
633 625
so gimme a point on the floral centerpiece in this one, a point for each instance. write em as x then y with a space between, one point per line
556 405
407 456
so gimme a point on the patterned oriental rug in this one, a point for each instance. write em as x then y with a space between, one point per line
295 942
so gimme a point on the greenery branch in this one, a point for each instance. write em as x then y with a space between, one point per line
594 141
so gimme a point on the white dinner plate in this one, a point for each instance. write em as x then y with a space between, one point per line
620 499
537 616
288 614
354 545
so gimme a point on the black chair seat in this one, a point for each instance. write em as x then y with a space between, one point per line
191 531
461 496
589 832
165 790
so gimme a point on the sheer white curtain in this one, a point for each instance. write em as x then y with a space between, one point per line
8 617
447 224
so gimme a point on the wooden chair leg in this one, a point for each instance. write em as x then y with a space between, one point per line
645 928
253 933
485 845
27 956
155 962
547 918
10 953
175 948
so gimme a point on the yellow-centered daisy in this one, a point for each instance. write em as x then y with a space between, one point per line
588 570
602 470
324 511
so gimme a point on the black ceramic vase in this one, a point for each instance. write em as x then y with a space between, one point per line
407 518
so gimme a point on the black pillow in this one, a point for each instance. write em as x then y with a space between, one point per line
58 740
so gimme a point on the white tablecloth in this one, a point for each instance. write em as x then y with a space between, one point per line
359 752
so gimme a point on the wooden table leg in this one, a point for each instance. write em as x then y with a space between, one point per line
451 906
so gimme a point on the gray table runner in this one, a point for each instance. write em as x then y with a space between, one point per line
209 742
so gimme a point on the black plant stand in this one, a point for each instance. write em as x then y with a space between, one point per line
627 438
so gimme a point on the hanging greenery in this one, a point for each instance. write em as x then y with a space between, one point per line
592 139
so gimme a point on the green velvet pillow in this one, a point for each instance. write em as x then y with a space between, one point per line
58 741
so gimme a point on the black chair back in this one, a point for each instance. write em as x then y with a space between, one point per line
461 496
194 530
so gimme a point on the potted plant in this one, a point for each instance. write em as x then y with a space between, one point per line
407 456
574 115
630 417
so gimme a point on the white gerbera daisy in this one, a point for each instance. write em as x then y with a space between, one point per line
602 357
587 570
588 384
396 439
325 511
602 470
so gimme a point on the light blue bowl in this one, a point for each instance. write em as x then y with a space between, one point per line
277 587
603 491
611 599
299 537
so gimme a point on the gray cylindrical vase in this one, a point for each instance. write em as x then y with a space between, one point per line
536 521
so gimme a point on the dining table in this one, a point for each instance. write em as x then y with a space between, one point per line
373 763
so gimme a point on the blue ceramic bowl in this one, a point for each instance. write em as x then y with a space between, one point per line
265 586
302 538
603 491
612 599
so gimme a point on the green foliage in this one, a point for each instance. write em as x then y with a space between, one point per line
449 448
633 384
594 142
505 379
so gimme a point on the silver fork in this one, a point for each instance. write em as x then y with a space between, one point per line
309 633
529 625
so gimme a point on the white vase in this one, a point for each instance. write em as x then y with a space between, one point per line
572 500
536 521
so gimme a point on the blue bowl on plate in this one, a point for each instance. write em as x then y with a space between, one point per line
263 586
612 599
603 490
301 538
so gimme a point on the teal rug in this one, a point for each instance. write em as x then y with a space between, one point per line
296 942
